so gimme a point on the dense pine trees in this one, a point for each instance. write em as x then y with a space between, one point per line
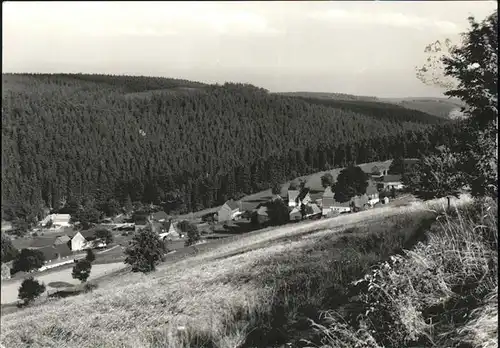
71 137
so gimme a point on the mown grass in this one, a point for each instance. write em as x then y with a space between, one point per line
255 291
442 293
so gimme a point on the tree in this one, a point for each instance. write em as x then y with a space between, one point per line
30 289
351 182
294 185
473 68
9 252
192 233
111 207
86 216
27 260
145 251
81 270
436 176
303 211
128 207
90 257
397 166
276 188
277 212
105 235
326 180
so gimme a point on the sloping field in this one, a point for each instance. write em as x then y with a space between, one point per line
193 297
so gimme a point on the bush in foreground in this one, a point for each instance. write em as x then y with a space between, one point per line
30 289
81 270
442 293
145 251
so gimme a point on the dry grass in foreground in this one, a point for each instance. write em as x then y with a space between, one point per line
209 301
442 293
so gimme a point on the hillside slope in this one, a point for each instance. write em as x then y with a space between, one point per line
69 136
440 107
219 297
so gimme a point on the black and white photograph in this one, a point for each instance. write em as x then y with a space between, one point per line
249 174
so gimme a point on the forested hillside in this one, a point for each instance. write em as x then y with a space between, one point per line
75 136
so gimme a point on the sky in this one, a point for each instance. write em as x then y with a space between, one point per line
356 47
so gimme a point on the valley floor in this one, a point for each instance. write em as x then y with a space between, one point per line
204 300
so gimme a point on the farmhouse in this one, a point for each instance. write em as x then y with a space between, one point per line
292 197
313 211
389 182
304 197
372 193
58 220
228 211
159 216
262 215
295 214
64 239
86 240
56 252
327 200
379 171
169 232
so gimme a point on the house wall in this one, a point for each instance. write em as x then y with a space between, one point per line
225 213
78 242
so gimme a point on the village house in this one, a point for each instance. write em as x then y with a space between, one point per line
292 198
372 193
295 214
230 210
169 232
58 221
304 197
313 211
262 216
389 182
83 240
56 252
379 171
159 216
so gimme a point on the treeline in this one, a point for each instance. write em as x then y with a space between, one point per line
71 137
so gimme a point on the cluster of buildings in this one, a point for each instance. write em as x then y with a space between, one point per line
304 204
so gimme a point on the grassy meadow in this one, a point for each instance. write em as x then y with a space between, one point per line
262 289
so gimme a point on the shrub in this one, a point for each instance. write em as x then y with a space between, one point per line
81 270
89 287
193 234
145 251
9 252
90 257
27 260
30 289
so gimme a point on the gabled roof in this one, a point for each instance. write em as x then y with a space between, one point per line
40 242
62 240
53 251
371 188
160 215
303 193
232 204
262 211
295 211
392 178
168 224
292 195
328 193
315 209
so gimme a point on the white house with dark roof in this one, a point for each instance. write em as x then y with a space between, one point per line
229 211
292 198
